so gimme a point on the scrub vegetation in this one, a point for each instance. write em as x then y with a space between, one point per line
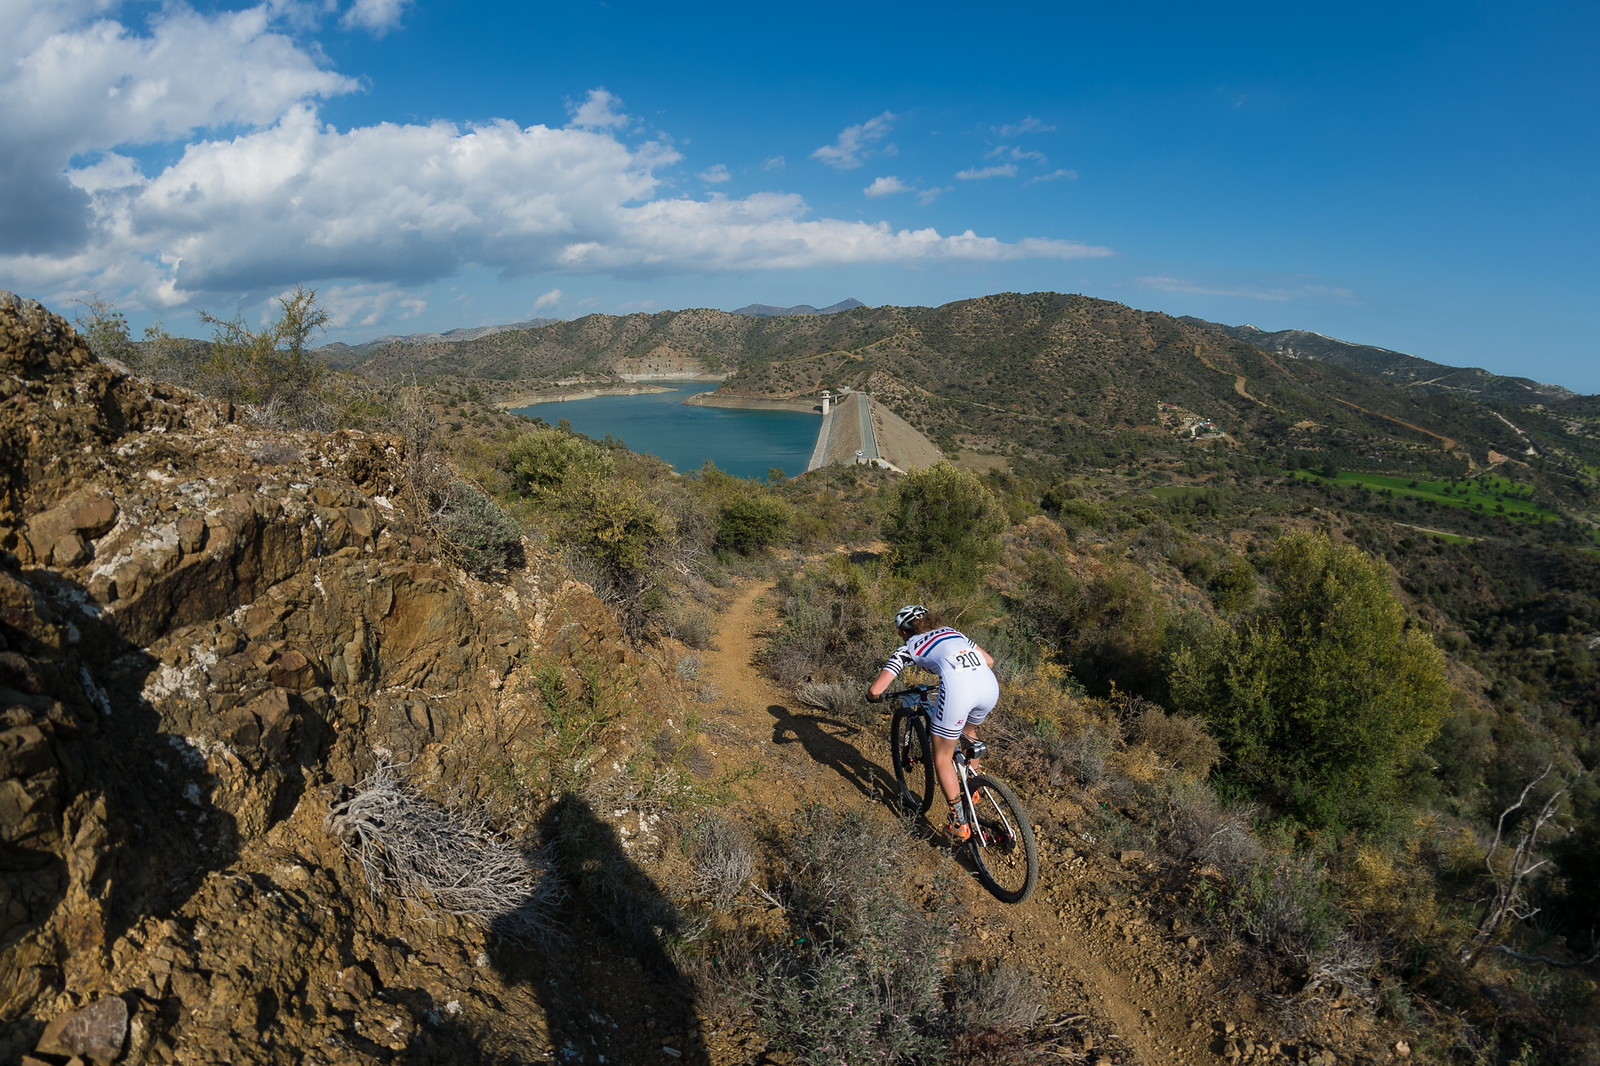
1349 713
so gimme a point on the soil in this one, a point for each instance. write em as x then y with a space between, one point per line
1122 985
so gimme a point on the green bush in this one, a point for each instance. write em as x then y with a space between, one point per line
545 462
485 539
749 523
1321 696
944 528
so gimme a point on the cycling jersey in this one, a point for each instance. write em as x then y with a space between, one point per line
968 689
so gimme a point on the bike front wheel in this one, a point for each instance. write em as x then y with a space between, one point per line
911 751
1002 846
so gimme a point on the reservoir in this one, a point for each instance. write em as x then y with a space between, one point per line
742 443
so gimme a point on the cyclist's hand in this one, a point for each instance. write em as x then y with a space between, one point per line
874 699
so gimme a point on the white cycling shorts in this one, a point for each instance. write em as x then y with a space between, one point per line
964 696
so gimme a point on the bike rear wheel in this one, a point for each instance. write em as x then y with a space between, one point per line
1002 846
911 751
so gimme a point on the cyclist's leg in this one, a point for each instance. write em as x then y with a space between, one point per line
944 749
947 719
983 692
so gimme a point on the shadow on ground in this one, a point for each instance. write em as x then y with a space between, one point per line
610 988
822 737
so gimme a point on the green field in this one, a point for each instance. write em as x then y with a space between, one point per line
1490 495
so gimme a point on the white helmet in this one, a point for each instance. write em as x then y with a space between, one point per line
909 614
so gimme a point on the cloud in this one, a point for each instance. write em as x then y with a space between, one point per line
548 300
925 197
1055 175
1277 295
1009 170
1013 130
777 162
855 143
366 304
715 175
254 191
599 111
377 17
887 186
81 88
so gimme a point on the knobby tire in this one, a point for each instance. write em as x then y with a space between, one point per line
911 751
1008 865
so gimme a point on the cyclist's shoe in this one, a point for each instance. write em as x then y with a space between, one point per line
957 831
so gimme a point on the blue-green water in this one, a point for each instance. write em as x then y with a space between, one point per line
742 443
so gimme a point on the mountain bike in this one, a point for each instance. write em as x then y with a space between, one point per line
1001 846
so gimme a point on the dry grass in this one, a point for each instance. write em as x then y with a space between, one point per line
445 860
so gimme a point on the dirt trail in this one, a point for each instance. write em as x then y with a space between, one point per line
1146 991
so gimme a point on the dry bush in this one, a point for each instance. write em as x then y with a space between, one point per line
993 996
723 860
1182 742
838 698
856 978
690 626
445 860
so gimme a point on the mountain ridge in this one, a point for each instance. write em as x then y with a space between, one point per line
1410 370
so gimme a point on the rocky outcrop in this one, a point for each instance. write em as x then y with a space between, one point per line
206 626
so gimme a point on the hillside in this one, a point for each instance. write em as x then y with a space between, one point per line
1408 370
219 638
1052 379
636 696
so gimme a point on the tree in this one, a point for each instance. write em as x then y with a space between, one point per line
1321 695
105 330
270 367
944 528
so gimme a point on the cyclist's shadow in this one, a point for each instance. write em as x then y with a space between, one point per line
823 738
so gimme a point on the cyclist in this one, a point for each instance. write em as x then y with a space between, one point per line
968 691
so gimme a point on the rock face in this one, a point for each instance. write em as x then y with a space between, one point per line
205 627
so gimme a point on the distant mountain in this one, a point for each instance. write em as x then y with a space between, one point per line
339 354
768 311
1408 371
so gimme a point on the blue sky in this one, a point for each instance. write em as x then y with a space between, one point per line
1418 176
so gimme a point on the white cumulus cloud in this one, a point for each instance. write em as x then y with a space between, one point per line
252 191
548 300
855 143
377 17
600 110
886 186
715 175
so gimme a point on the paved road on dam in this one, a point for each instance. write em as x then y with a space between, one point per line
869 439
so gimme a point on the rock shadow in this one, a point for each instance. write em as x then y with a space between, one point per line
607 978
821 735
113 806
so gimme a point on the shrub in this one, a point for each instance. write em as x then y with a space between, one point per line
445 860
722 858
484 537
857 979
750 523
995 995
944 528
1322 696
546 462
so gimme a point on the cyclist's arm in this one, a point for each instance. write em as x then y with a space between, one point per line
881 685
988 660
